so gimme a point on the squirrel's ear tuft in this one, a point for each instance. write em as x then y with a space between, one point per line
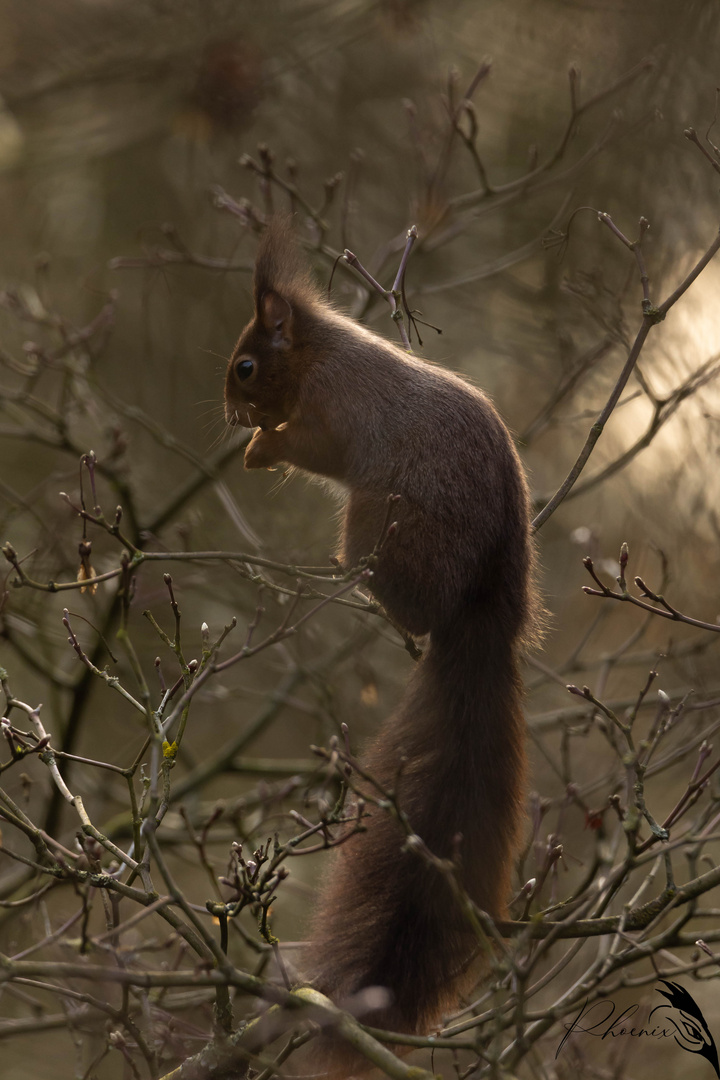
280 268
276 317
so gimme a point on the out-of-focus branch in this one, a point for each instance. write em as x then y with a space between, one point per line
651 316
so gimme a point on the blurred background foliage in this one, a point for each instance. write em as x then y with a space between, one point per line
122 129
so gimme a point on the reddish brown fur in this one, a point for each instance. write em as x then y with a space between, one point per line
361 411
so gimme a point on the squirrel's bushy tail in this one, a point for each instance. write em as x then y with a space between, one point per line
386 918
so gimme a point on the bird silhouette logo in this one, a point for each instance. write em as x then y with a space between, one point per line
690 1030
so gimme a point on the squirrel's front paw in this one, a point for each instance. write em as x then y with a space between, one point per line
261 452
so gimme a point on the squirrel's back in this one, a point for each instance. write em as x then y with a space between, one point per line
387 423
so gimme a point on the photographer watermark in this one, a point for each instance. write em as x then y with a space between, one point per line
678 1018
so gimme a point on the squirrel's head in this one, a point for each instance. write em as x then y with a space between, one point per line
276 346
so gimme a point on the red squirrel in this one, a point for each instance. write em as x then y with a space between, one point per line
329 396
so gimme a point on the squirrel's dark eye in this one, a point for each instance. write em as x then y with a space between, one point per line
244 368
